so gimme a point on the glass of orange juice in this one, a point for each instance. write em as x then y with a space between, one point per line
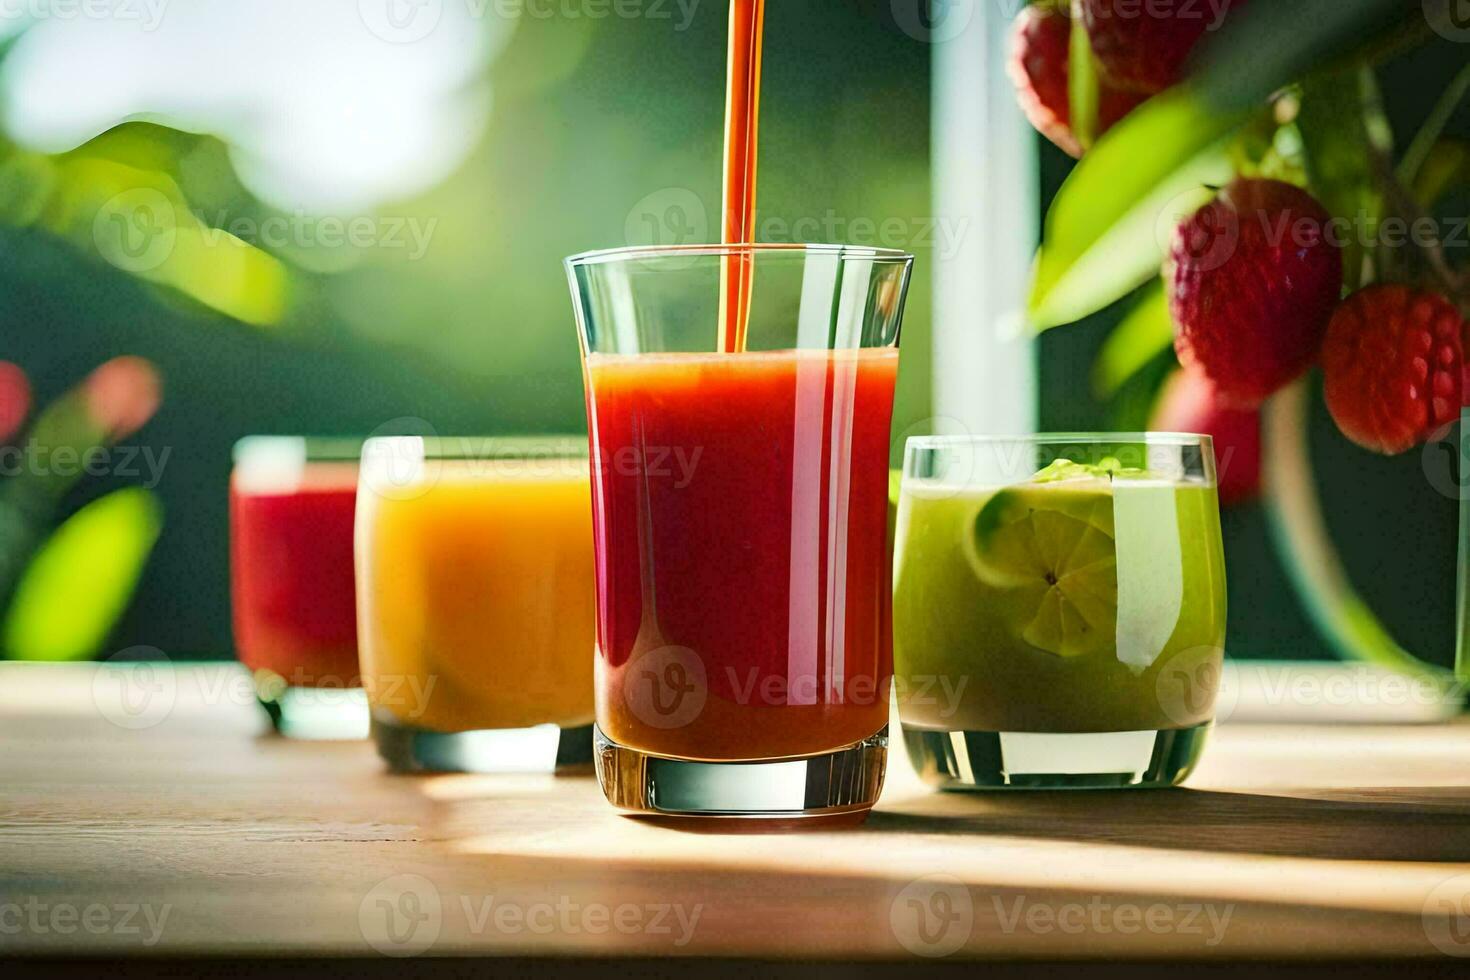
475 602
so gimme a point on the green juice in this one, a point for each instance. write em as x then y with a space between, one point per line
1080 601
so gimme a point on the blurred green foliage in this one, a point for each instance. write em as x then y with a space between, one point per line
62 590
80 581
119 196
453 308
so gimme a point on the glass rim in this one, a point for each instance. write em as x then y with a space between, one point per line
625 253
1179 439
552 446
312 449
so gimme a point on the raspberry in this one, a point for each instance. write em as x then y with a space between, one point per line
1395 367
1143 49
1040 55
1189 403
15 399
1253 278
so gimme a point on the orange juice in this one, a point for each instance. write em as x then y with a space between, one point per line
475 594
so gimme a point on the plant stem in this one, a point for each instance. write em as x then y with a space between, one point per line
1433 127
1294 505
1082 83
1404 205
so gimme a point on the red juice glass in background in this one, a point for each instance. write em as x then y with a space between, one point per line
744 646
292 502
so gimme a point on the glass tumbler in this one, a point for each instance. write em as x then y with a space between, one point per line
740 496
1059 609
291 581
475 602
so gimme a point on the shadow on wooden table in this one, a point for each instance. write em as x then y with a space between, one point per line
1400 825
1380 824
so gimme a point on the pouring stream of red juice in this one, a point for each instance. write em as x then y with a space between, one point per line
742 116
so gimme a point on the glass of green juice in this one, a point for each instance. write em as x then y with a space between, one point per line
1058 608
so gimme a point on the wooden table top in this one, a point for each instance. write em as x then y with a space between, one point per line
200 834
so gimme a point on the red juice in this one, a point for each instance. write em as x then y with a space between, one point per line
740 512
292 575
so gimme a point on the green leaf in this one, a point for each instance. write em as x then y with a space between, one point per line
140 222
1343 129
1133 408
82 579
118 195
1145 333
1103 234
1106 231
1267 46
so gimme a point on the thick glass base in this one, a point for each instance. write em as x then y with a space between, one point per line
321 713
846 781
542 748
1036 760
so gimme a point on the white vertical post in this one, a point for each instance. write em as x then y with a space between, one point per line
985 191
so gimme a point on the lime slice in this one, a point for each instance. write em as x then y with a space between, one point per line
1050 548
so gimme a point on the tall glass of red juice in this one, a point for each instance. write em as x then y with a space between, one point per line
295 616
744 649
